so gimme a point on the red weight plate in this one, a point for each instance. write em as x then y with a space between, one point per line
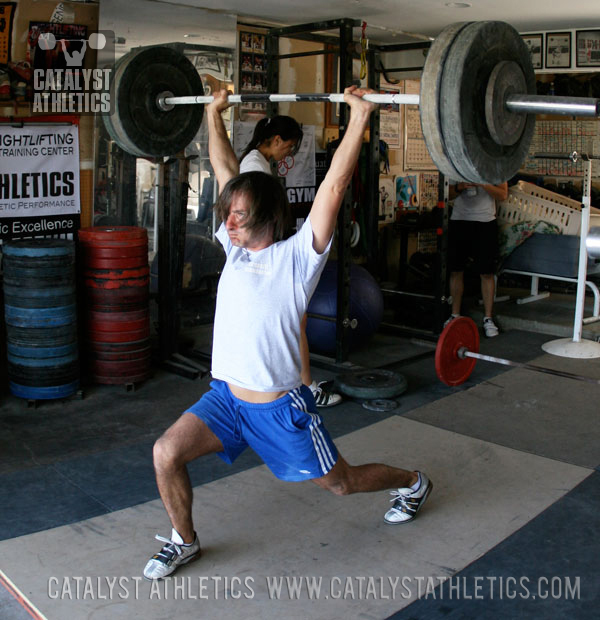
116 252
122 380
90 262
108 233
117 326
95 244
129 336
117 356
451 369
117 299
118 306
118 347
142 271
116 284
111 315
119 368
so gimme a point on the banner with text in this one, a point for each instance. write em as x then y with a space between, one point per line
39 180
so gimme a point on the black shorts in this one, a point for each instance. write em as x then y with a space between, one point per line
476 240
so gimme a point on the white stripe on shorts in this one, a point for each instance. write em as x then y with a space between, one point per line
321 447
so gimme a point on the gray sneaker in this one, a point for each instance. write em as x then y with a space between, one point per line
171 556
408 502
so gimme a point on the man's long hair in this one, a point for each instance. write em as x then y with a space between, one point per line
268 204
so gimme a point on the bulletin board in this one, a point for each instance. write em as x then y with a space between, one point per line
563 136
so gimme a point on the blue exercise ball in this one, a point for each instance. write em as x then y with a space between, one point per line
366 306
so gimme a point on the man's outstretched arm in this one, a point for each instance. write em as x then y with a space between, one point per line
220 151
323 214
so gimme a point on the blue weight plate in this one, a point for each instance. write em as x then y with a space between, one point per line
42 362
37 352
39 292
42 377
69 310
44 393
27 271
39 247
40 317
40 302
31 282
41 337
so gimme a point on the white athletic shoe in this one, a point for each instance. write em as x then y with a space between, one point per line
408 502
171 556
323 398
490 329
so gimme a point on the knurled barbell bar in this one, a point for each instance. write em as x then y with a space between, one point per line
457 352
477 102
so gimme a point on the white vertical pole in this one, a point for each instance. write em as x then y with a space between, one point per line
583 257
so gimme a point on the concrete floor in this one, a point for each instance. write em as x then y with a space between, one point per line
510 530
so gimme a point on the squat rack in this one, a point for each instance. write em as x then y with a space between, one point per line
343 46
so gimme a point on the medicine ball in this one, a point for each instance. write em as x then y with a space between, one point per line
366 306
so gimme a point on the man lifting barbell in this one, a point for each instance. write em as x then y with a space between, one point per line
257 398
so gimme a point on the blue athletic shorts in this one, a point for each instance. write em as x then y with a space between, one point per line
288 433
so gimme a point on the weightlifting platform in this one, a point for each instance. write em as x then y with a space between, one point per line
513 456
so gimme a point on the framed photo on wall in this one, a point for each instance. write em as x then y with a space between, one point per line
534 43
558 50
588 48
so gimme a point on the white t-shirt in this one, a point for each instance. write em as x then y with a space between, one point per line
474 206
261 298
255 161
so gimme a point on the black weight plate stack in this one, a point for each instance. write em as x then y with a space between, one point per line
115 274
430 103
41 318
470 62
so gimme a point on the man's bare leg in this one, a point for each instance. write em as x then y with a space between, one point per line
345 479
186 440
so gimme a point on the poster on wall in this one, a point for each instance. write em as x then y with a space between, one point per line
39 181
407 193
387 199
7 11
389 116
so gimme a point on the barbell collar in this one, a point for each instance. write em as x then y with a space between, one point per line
464 352
545 104
574 156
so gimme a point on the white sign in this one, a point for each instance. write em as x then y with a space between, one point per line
39 180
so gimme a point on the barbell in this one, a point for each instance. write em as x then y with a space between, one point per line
477 102
457 352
